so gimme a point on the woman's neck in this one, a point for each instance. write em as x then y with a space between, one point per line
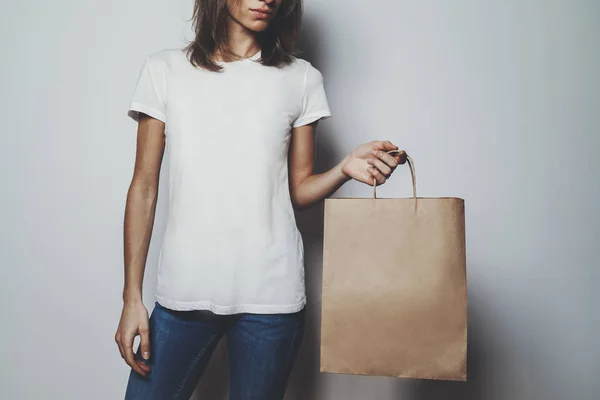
242 41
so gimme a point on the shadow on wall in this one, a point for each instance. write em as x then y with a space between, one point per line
306 381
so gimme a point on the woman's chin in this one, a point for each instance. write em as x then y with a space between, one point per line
257 25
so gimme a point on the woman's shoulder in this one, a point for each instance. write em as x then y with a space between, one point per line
167 56
299 62
304 66
306 70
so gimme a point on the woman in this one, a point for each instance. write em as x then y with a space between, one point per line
237 113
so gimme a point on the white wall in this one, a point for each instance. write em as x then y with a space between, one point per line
497 102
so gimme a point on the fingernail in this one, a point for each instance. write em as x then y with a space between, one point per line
146 355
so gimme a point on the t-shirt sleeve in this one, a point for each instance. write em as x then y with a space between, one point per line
314 99
151 91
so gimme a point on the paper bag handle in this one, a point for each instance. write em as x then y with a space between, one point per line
411 164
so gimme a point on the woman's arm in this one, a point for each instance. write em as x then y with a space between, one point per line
366 162
139 221
141 204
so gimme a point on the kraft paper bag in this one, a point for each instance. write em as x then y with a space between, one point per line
394 287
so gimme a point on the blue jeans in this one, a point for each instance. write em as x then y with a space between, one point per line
261 349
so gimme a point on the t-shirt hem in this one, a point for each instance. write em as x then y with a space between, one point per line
231 309
135 108
311 118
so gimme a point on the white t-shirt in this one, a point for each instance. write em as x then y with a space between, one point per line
231 243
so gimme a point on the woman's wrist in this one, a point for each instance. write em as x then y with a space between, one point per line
131 296
339 168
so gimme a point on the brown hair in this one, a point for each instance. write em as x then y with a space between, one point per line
278 41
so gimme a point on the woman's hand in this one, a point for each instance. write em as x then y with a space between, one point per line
370 161
134 321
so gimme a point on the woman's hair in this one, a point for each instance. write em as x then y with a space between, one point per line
278 41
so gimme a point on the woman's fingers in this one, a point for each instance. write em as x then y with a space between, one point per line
121 350
381 166
130 356
389 159
384 145
127 354
400 156
144 347
143 365
379 177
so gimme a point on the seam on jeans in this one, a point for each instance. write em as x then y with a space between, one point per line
191 368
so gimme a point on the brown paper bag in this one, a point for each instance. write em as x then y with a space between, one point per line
394 287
